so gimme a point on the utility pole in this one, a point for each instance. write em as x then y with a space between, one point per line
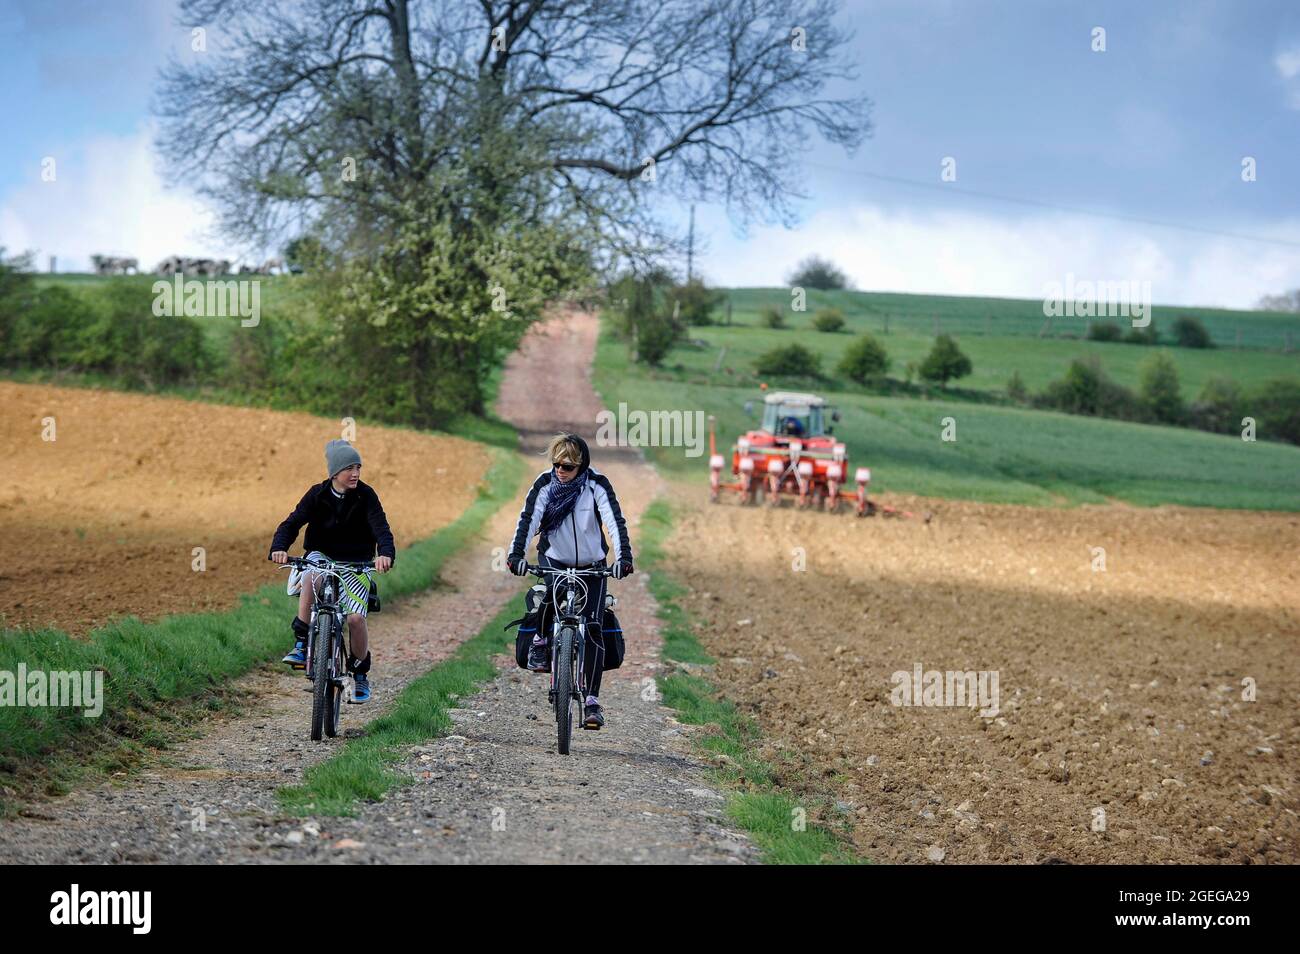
690 247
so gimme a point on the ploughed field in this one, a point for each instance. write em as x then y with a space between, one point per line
104 520
1125 729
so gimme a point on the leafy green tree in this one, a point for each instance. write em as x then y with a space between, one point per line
944 362
1159 390
697 302
865 358
1190 333
819 273
523 137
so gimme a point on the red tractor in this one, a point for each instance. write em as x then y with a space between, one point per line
792 453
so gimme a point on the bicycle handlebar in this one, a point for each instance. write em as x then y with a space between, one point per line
537 570
303 563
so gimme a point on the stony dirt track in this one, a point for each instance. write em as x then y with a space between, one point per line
1120 690
103 520
494 790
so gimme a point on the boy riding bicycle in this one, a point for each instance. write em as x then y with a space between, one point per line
570 505
345 522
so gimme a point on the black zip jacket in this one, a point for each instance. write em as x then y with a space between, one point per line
348 529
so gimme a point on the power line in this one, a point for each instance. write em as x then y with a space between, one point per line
1116 216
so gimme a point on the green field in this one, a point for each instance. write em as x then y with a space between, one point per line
999 336
1001 317
1002 454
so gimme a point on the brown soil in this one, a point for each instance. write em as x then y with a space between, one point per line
102 521
1120 690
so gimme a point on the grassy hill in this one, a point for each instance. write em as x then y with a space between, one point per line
1002 454
1001 336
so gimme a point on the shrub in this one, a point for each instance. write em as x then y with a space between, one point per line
944 362
697 302
1016 388
655 338
789 360
1218 407
1105 331
829 320
1085 389
863 359
772 317
1190 333
1158 388
1275 405
1142 336
819 273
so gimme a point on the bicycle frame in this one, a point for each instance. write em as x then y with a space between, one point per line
326 583
569 595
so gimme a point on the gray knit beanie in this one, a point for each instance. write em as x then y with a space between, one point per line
340 454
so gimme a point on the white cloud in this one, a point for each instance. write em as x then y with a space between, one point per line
1288 63
107 198
969 254
1288 67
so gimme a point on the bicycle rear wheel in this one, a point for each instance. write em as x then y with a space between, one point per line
322 648
564 653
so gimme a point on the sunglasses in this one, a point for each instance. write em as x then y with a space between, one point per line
565 467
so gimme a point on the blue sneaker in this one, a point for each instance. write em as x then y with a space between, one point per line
360 688
296 657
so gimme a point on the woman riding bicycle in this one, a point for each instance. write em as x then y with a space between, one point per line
570 505
345 522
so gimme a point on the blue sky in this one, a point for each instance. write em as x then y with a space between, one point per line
1152 130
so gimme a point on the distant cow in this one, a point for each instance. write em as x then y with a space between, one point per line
203 267
108 265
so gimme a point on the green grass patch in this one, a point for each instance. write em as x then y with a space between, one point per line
159 675
361 772
756 801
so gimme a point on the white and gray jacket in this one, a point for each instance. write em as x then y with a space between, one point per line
577 541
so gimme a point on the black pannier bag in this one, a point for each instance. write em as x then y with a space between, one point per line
614 646
530 623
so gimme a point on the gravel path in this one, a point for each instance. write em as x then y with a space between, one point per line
494 790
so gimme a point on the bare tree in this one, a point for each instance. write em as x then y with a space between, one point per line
578 109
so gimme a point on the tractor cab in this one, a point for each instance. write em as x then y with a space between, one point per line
795 416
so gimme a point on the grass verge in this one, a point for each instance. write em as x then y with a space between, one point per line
158 677
756 801
361 771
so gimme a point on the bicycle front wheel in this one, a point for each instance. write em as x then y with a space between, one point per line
564 667
321 650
